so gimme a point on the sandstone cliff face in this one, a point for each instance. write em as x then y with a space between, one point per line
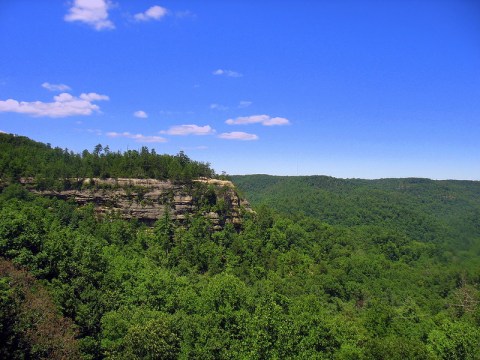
148 199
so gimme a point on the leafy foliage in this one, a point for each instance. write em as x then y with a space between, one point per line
30 324
389 274
423 209
21 157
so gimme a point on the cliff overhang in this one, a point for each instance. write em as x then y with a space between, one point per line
150 199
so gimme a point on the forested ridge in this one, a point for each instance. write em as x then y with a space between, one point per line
21 157
324 269
427 210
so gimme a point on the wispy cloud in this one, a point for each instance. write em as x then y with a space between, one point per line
200 147
238 135
176 112
3 132
140 114
154 13
265 120
243 104
218 107
97 132
63 105
55 87
183 130
228 73
185 14
137 137
91 12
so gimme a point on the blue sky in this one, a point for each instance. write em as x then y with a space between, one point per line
364 89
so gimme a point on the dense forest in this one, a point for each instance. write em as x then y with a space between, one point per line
445 211
323 269
21 157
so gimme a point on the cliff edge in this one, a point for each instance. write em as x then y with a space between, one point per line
149 199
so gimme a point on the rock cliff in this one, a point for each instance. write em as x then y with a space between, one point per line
149 199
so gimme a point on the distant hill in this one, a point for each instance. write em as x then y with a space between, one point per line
428 210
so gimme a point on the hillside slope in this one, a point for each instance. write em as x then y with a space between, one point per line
424 209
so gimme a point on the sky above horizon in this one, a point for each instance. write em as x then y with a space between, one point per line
351 89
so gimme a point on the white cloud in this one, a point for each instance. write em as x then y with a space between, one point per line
218 107
183 130
55 87
154 13
137 137
93 97
228 73
244 104
2 132
140 114
238 135
265 120
91 12
63 105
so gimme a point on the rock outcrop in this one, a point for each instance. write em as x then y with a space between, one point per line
148 199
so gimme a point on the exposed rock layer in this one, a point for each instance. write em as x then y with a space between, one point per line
148 199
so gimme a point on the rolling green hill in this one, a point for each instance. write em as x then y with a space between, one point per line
443 211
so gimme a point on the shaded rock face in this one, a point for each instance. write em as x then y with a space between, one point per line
148 199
